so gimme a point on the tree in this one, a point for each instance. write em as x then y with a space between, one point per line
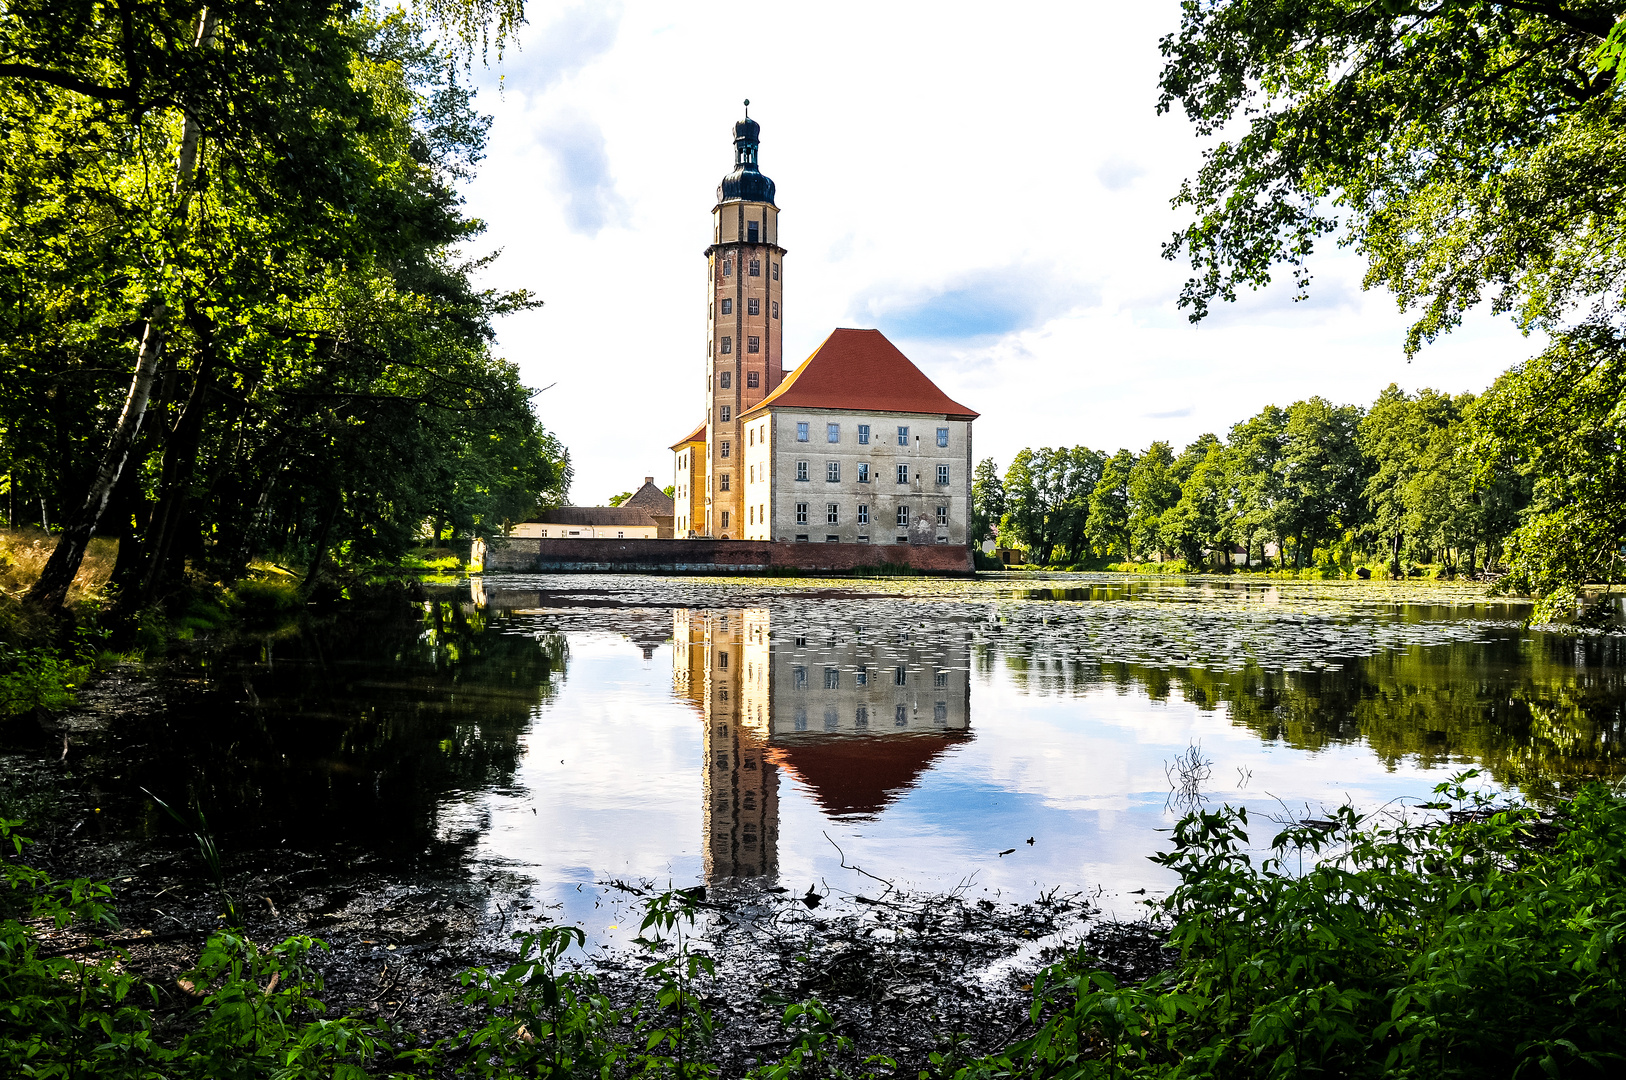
1109 506
1201 522
1153 490
1322 473
987 502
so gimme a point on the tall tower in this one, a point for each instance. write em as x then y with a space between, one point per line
743 336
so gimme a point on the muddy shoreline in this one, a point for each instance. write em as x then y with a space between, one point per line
905 974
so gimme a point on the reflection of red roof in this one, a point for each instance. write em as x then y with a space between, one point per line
861 371
697 435
859 775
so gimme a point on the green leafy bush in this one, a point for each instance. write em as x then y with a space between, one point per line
37 679
257 600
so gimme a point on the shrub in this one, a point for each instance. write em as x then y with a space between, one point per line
258 600
37 679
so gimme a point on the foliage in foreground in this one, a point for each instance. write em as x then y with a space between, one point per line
1486 943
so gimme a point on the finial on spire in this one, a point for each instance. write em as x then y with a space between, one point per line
748 108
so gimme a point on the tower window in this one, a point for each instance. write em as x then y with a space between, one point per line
728 413
776 307
776 271
801 513
903 517
801 470
727 380
725 519
903 470
943 475
756 267
942 436
728 267
725 446
801 431
863 472
863 434
831 513
942 515
751 232
722 481
753 379
728 307
903 432
728 345
753 344
753 306
863 515
832 471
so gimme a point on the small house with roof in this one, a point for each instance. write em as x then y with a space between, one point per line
646 515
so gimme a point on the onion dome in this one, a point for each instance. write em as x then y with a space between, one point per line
746 182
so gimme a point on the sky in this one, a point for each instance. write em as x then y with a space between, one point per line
988 185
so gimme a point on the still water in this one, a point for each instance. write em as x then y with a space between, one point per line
1006 736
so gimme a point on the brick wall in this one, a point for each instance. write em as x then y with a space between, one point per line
536 555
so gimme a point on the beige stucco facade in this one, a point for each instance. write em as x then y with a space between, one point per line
689 488
856 479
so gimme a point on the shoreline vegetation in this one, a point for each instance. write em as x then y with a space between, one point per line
1454 937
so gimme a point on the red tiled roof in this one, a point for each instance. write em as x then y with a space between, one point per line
697 435
859 776
861 371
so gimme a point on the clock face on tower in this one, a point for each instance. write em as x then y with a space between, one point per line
744 361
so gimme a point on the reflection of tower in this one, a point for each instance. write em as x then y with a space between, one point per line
743 355
716 665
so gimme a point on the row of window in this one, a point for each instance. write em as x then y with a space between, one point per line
832 433
861 677
753 344
900 717
832 515
753 306
832 473
753 268
725 379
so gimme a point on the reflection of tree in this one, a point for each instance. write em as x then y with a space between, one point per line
352 731
1543 714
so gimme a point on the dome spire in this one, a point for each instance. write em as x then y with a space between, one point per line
746 181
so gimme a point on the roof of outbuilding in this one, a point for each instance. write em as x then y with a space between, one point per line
861 371
651 498
697 435
595 515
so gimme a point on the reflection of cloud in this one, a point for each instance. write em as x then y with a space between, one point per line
568 44
1172 414
591 200
1117 173
978 304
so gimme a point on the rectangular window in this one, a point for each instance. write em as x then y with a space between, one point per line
832 472
801 515
776 271
832 539
800 721
903 436
942 475
903 517
728 267
722 659
728 411
727 380
798 677
861 676
942 515
832 433
801 432
753 306
832 678
753 379
726 446
830 514
750 232
939 678
863 472
751 475
753 344
750 515
863 538
722 481
728 307
725 513
756 267
863 434
863 515
728 345
751 437
801 470
900 676
861 717
903 471
942 436
900 716
776 306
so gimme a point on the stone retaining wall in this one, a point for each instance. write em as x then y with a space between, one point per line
532 555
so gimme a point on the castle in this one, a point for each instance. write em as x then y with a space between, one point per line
856 445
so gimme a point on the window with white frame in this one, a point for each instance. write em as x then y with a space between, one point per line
863 515
832 433
903 517
753 344
903 474
832 472
863 434
801 470
801 513
753 306
801 431
942 515
942 436
903 436
831 514
728 307
943 475
863 472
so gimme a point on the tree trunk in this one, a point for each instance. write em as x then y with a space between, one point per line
49 592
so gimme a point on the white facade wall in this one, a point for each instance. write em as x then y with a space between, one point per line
773 488
537 529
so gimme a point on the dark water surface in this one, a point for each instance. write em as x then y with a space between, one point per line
572 730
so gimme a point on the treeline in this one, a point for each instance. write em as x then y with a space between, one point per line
234 317
1455 481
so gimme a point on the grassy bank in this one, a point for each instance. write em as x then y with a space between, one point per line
1467 939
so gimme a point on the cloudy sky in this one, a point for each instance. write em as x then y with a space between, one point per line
988 185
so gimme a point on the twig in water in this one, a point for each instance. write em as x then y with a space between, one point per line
890 886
